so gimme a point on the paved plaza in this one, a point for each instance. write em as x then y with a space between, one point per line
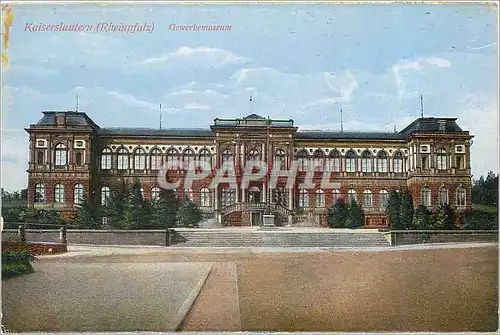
450 287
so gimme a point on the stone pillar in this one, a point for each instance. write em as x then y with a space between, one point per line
62 235
264 192
216 199
290 199
21 233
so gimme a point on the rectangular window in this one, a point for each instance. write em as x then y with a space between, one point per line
425 164
78 158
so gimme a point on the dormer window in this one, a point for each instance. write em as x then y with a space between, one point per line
442 125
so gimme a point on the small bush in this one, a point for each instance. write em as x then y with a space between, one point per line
17 260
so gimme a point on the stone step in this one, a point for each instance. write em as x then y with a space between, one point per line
278 239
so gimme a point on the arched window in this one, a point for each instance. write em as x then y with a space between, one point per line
228 159
253 157
426 196
59 193
318 160
39 193
398 162
461 196
302 160
350 161
106 158
78 194
155 156
139 159
351 195
143 195
384 198
279 160
367 199
205 197
40 156
105 195
188 193
206 157
303 198
122 159
366 161
441 159
320 198
443 196
228 196
155 193
335 195
333 161
382 161
61 155
172 159
187 158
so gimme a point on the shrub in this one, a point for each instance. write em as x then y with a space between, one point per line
17 260
356 216
445 218
422 218
406 212
393 210
188 214
337 214
480 220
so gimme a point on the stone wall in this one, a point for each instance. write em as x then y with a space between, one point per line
97 237
404 237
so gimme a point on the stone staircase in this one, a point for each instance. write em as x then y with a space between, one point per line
278 238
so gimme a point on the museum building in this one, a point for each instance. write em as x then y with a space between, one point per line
72 158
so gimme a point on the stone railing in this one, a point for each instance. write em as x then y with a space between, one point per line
255 206
403 237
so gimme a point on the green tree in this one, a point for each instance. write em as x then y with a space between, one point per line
422 218
116 205
135 208
444 218
393 210
188 214
356 217
29 215
338 214
476 219
87 216
165 210
485 190
406 211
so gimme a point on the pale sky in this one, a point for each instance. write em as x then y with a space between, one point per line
303 61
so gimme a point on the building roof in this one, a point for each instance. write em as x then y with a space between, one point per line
169 132
432 124
72 119
334 135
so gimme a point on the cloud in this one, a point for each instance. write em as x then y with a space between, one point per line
343 83
195 105
402 68
205 93
205 56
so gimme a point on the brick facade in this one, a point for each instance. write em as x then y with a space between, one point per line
68 149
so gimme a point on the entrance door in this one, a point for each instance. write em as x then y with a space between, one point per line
256 218
254 195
